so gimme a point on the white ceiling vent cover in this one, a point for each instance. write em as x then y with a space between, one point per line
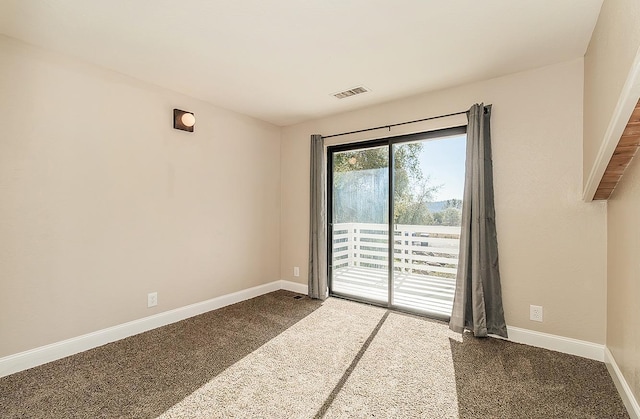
351 92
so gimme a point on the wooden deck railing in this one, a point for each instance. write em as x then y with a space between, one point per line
428 250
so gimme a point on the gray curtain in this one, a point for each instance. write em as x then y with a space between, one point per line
477 304
318 221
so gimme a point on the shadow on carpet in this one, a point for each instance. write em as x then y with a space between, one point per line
279 357
500 379
144 375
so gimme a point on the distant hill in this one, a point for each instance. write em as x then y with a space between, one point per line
437 206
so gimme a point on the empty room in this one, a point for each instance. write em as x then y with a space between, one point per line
282 209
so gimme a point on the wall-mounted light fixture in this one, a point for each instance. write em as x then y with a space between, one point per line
183 120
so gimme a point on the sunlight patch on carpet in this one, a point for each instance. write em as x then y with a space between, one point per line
291 375
407 371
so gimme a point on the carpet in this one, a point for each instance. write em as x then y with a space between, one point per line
277 356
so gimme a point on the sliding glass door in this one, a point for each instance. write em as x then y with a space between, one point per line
394 211
360 223
427 211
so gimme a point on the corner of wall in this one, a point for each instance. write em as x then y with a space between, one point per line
621 384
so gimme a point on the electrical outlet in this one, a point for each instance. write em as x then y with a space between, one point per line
152 299
296 271
535 313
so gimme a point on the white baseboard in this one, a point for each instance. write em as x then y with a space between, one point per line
556 343
626 394
38 356
294 287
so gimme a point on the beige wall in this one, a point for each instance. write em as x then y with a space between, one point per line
552 245
623 282
607 62
102 201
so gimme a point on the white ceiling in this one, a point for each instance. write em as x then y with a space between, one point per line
281 60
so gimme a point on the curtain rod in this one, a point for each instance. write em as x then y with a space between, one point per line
400 123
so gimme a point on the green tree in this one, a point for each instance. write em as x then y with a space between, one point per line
451 216
453 203
410 206
357 171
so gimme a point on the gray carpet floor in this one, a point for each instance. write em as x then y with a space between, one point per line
277 356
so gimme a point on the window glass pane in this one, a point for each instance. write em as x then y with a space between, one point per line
360 211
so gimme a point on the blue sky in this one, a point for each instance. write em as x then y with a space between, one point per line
443 159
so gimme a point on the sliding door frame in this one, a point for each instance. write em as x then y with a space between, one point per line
389 142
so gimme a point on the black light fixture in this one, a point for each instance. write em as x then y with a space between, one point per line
183 120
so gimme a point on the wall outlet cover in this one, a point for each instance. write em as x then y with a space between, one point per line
535 313
152 299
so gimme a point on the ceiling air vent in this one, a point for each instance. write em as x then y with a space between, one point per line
351 92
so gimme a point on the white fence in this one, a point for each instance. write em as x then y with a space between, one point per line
426 250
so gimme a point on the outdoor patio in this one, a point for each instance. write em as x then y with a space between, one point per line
425 265
411 291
